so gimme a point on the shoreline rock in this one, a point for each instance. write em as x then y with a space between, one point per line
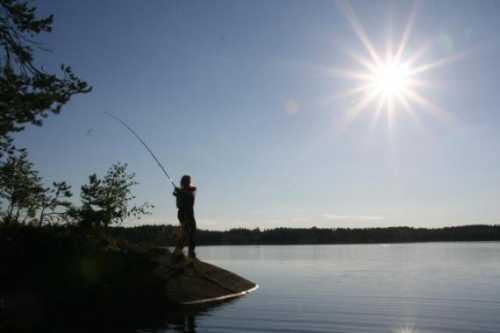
55 275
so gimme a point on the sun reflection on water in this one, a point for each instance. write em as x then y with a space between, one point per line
405 330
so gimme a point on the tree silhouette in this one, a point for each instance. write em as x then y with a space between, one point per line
27 93
53 198
106 200
20 188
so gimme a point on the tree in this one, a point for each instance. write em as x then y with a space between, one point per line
51 199
106 201
22 190
27 93
20 187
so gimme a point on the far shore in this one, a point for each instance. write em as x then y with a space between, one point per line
164 235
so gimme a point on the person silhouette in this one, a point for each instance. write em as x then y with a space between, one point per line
185 195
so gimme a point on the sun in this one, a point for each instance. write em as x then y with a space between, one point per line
391 81
389 86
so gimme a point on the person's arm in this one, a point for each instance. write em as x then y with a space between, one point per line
176 191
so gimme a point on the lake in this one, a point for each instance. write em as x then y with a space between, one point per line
404 288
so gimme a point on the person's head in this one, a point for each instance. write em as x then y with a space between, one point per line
186 181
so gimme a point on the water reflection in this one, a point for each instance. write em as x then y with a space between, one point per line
183 319
178 320
137 319
405 330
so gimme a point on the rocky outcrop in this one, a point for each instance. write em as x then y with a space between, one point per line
191 281
51 275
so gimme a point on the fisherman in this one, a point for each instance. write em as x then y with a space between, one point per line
185 203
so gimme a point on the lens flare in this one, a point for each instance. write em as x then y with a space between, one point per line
391 79
389 83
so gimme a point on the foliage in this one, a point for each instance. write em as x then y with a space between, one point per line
53 198
28 93
20 188
65 272
106 200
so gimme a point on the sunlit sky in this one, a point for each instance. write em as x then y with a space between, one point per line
262 102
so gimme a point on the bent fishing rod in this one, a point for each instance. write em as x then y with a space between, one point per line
131 130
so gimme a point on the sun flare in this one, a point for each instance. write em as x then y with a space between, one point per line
390 81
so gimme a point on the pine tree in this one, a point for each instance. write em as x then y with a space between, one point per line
20 188
106 201
53 198
27 93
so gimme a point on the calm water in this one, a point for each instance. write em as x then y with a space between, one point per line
426 287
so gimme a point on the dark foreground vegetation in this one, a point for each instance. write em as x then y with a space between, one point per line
165 235
53 276
57 277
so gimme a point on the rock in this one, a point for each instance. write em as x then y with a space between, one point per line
192 281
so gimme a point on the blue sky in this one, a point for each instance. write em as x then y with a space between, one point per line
240 95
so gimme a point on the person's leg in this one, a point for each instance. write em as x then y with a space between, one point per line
192 237
181 234
179 239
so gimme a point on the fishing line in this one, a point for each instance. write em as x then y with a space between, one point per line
144 144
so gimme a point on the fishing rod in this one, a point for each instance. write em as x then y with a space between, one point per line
144 144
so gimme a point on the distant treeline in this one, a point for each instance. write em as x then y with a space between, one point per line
164 235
